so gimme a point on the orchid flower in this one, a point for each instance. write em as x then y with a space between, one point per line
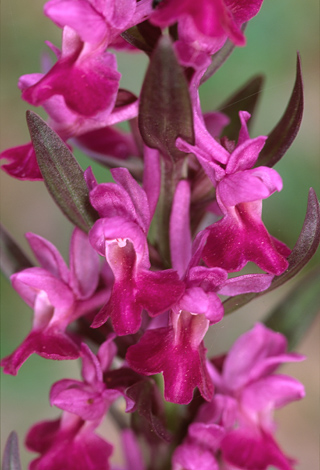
240 235
68 443
92 83
121 236
58 296
206 24
177 348
241 412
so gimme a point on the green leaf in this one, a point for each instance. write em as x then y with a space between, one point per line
12 257
11 457
284 133
245 99
304 249
294 315
148 404
165 106
61 173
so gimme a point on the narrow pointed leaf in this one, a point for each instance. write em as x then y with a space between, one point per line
165 106
246 99
61 173
284 133
12 257
148 405
302 252
144 36
11 456
297 311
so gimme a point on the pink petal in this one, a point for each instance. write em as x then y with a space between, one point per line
243 10
119 13
245 155
91 86
73 397
209 435
137 196
48 256
80 16
241 237
192 457
271 392
249 185
22 163
151 177
66 444
50 345
133 455
182 360
209 279
249 351
84 265
107 141
91 368
246 283
180 232
158 290
107 352
253 451
123 309
58 292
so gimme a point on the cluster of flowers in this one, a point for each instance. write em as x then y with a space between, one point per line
154 296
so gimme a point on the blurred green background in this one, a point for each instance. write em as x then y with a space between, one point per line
273 37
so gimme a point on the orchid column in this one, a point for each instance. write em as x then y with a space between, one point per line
157 256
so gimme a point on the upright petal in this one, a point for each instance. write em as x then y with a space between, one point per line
180 232
84 265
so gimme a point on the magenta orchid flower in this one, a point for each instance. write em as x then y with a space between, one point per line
177 349
97 21
120 236
89 399
68 443
92 83
199 448
58 296
240 235
247 393
206 24
94 134
69 123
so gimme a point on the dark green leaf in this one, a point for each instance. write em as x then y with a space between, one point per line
284 133
148 404
246 99
12 257
296 312
11 457
144 36
302 252
61 173
165 106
